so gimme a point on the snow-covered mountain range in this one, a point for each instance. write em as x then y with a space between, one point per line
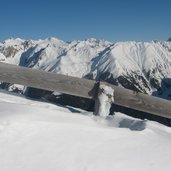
141 66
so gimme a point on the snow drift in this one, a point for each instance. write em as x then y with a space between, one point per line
41 136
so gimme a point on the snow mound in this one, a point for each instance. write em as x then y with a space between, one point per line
41 136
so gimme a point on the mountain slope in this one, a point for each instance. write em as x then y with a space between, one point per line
169 39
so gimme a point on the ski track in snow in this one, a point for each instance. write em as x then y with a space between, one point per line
42 136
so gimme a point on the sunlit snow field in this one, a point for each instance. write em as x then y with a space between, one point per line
39 136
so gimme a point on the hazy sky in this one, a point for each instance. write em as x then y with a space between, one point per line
113 20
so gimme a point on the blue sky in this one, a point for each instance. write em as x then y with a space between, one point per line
113 20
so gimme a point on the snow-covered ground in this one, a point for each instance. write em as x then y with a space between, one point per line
38 136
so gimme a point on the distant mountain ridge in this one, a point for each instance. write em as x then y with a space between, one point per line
169 39
140 66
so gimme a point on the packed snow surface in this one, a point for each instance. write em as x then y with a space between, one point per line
38 136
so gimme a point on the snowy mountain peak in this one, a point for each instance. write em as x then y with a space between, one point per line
169 40
13 42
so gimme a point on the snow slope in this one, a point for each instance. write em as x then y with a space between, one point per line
140 66
41 136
